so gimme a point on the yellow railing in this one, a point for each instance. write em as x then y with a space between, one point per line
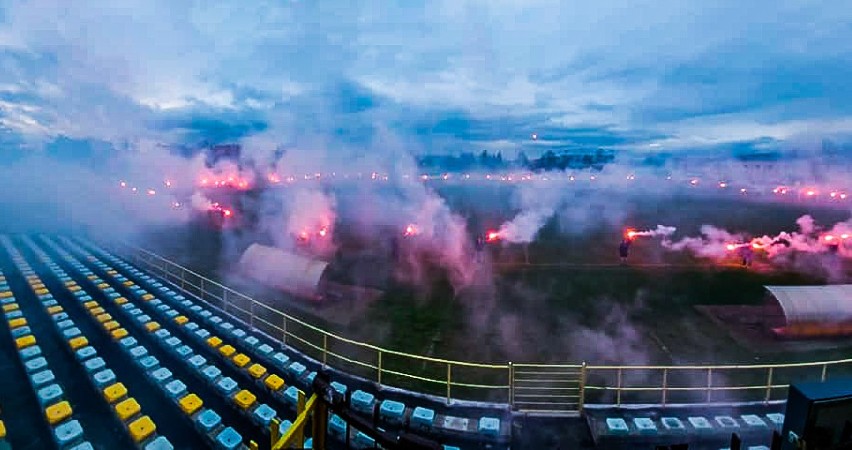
532 387
384 366
295 435
662 385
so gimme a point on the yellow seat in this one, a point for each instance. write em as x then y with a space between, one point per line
41 291
111 325
111 272
105 317
152 326
120 300
17 322
74 288
103 285
2 430
56 309
128 283
96 311
32 277
92 277
115 392
147 297
37 286
141 428
241 360
25 341
118 333
214 341
190 403
90 304
274 382
70 283
244 399
227 350
127 408
256 370
58 412
10 307
6 294
180 320
78 342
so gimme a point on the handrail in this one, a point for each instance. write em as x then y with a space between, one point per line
581 380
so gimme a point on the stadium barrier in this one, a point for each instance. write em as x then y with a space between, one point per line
533 388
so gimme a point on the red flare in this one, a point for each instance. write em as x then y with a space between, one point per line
731 247
829 238
151 192
810 193
844 236
411 230
492 236
226 212
323 231
123 184
630 233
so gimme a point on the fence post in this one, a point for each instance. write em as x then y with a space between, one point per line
251 314
324 348
824 369
709 383
582 394
618 389
379 368
283 330
449 380
768 386
665 384
511 384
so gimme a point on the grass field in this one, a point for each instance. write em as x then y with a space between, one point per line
573 302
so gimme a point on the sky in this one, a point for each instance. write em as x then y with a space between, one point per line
440 76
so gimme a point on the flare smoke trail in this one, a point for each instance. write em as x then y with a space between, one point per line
716 243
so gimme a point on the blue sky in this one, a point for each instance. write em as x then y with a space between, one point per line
440 76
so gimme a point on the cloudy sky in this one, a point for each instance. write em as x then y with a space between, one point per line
440 76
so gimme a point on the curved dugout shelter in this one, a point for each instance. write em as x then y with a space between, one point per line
276 268
813 311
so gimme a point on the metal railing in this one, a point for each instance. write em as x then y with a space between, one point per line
461 380
547 388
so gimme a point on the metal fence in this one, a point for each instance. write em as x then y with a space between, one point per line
451 379
545 388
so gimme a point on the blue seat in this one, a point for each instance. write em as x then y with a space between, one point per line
104 378
42 378
94 365
36 364
176 388
149 363
264 414
161 375
161 443
208 420
228 439
30 352
197 362
49 394
227 386
68 433
85 353
211 373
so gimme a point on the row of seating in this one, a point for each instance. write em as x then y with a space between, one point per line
66 431
693 424
390 412
4 287
205 420
139 427
263 378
